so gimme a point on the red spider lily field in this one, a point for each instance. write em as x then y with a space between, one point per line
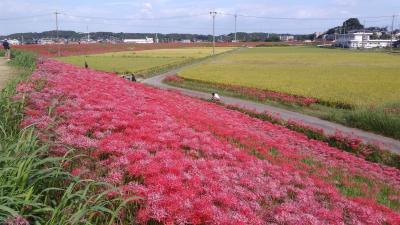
195 162
54 50
258 94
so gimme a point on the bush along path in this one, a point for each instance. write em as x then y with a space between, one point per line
327 127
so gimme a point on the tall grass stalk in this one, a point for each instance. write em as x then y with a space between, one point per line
377 119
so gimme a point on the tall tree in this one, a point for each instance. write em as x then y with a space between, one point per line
352 24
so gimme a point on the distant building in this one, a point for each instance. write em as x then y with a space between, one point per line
360 40
286 37
87 41
14 42
186 41
329 37
318 35
46 41
140 41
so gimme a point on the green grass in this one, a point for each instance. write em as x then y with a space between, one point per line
142 63
34 187
352 77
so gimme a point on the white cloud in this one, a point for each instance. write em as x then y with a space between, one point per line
194 14
148 6
345 3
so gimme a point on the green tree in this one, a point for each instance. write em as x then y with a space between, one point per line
352 24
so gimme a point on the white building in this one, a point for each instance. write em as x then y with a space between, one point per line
14 42
360 40
46 41
318 34
286 38
140 41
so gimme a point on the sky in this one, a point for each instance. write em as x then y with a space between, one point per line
184 16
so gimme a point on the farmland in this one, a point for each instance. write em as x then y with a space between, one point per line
354 78
142 62
54 50
189 166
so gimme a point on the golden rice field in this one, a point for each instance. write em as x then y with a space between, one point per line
334 75
141 62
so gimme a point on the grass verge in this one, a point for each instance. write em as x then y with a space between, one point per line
35 188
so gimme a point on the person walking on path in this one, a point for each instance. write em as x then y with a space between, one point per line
7 49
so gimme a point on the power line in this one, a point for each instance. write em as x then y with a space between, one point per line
299 18
138 18
24 17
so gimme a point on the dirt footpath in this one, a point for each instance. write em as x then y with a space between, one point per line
6 72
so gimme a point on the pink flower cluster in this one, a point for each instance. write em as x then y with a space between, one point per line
16 220
193 162
261 95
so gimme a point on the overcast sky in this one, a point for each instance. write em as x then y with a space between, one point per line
184 16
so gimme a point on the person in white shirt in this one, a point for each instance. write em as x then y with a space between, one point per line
215 97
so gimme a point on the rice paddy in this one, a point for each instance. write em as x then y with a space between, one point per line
332 75
142 63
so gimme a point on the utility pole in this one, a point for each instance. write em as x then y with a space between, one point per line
58 40
235 28
391 35
57 13
363 37
213 14
88 34
344 33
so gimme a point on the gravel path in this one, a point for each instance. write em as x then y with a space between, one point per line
328 127
5 72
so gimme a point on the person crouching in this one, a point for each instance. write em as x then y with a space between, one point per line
215 97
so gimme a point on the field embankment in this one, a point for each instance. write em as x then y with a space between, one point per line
195 162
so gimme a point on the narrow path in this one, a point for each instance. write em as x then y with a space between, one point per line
6 72
328 127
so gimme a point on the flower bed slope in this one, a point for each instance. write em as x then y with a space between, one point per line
194 162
